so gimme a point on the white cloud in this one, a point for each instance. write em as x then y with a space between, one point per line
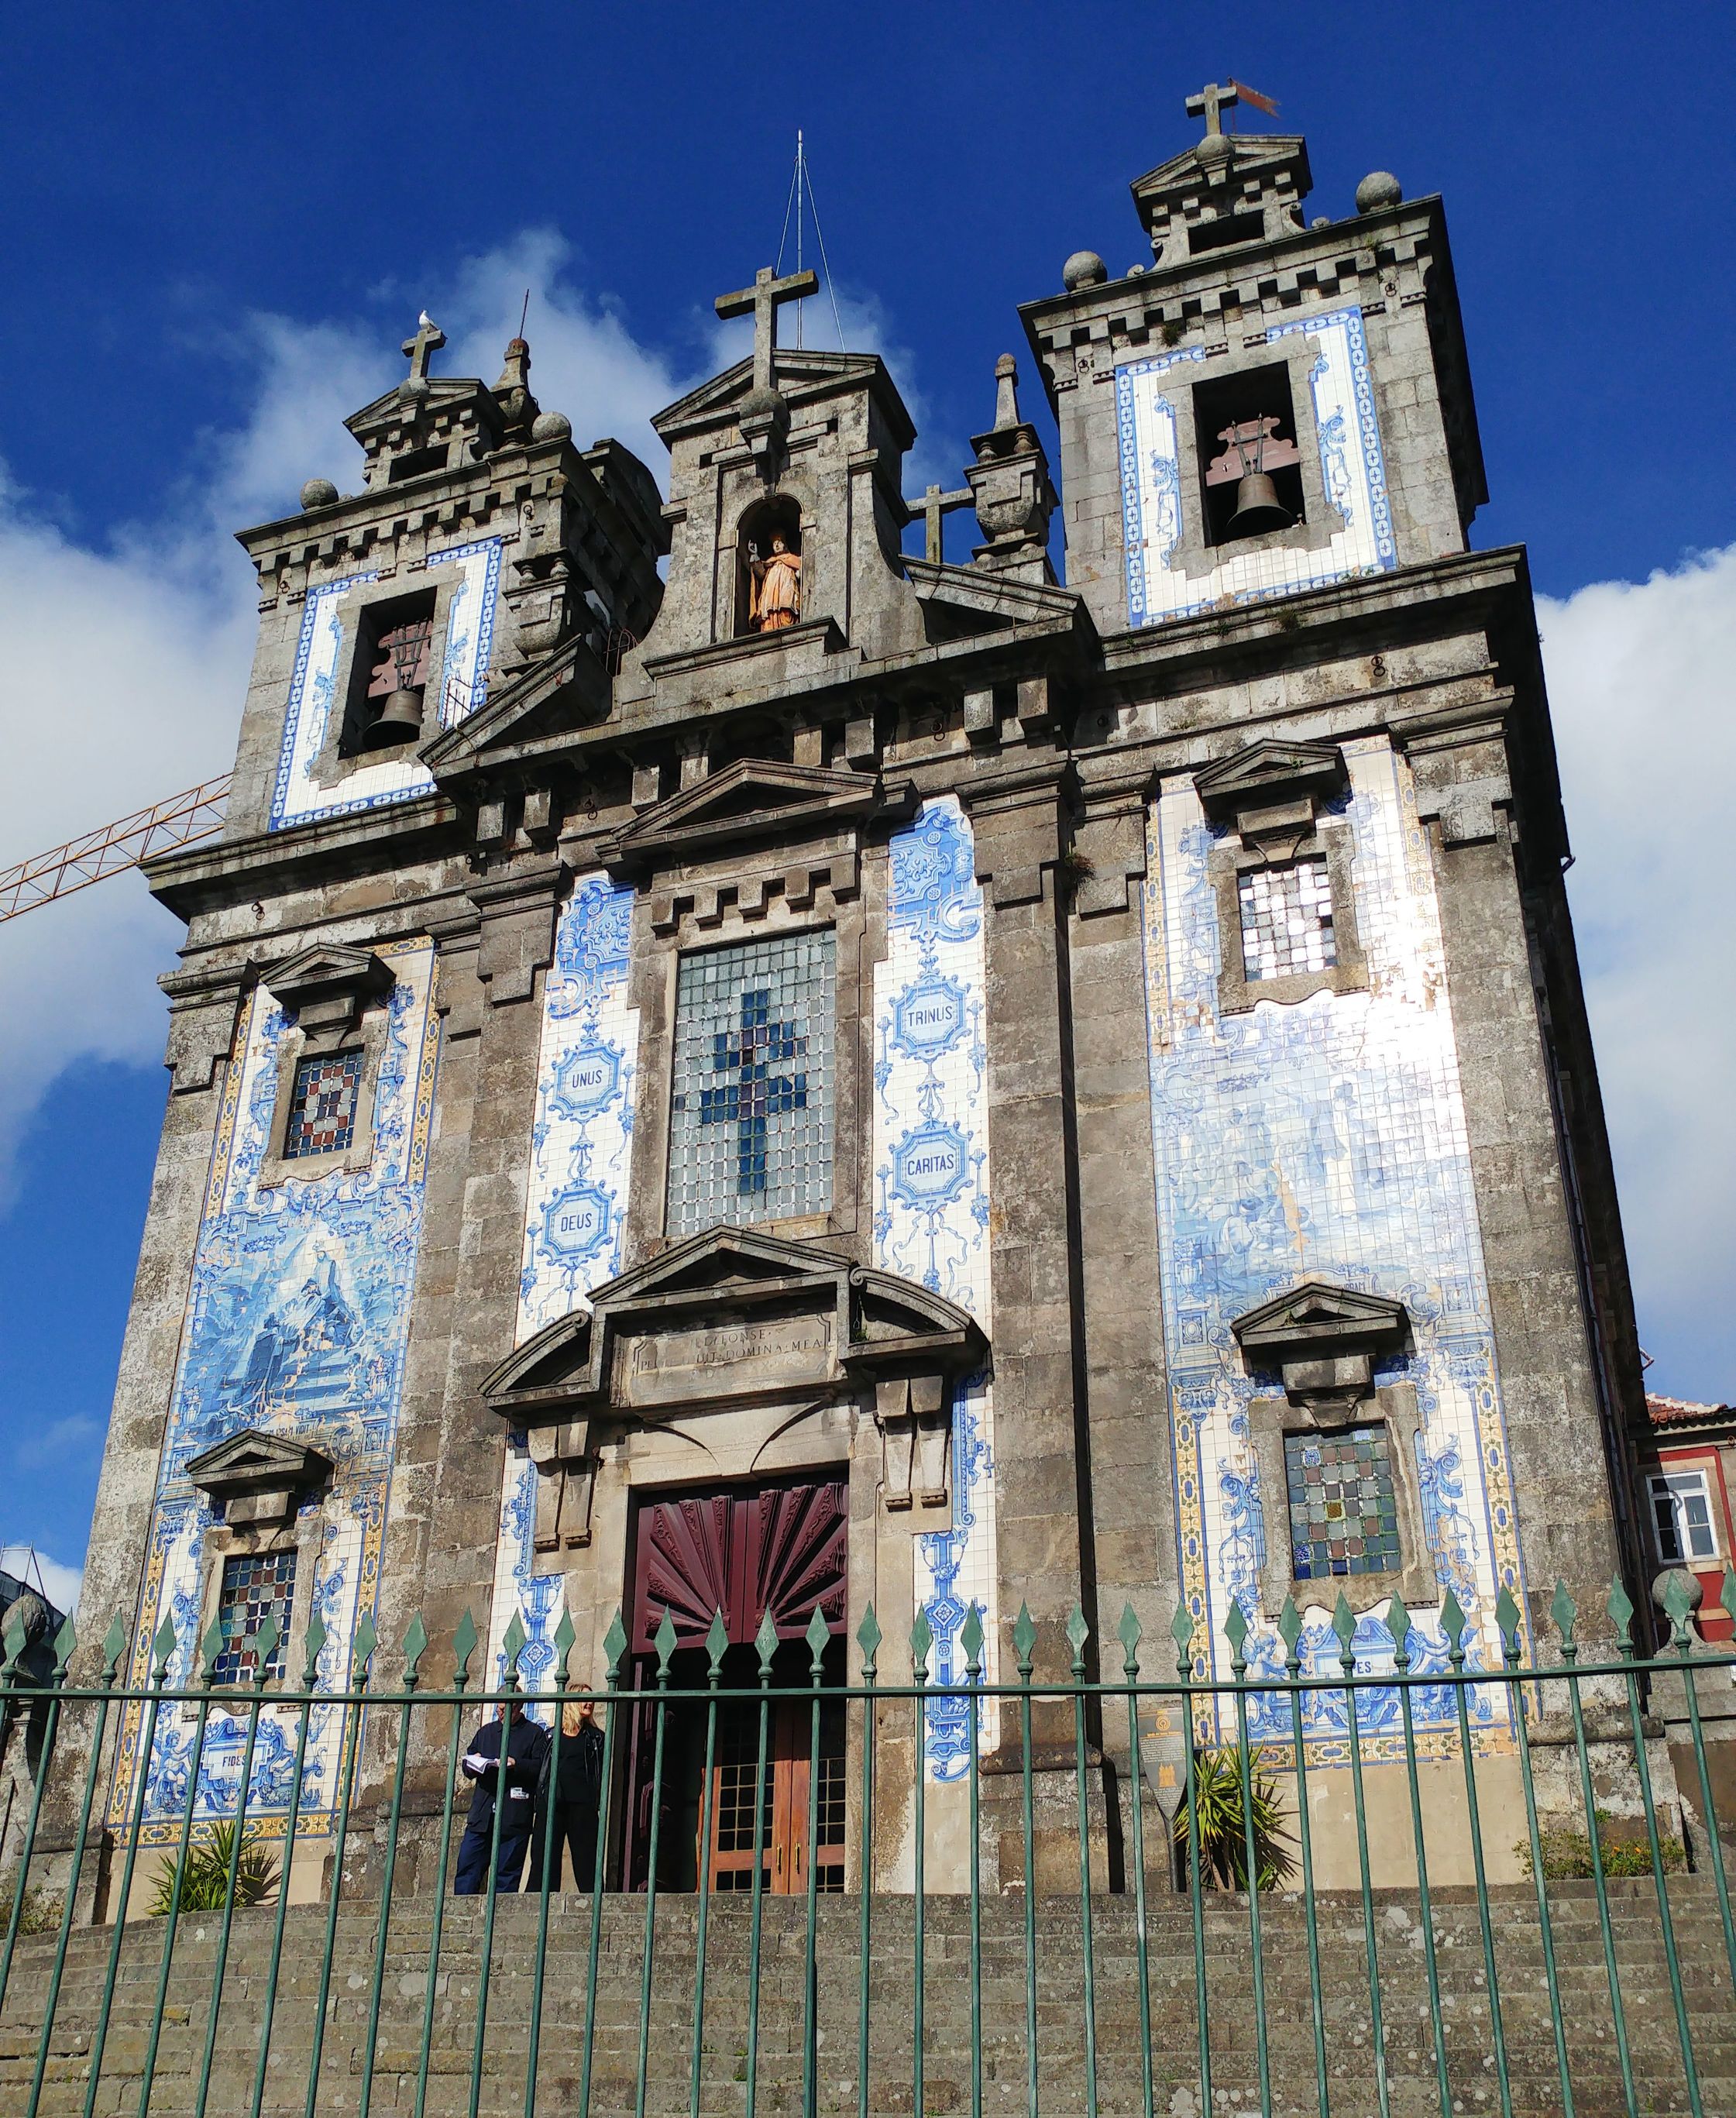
1642 685
59 1584
126 666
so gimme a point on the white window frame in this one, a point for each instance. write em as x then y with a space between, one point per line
1677 1485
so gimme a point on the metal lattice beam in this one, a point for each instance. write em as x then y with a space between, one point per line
114 847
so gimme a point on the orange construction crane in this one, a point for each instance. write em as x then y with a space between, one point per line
114 847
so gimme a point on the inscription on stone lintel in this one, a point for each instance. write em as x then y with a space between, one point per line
665 1366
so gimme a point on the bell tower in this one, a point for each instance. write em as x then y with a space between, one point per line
1272 403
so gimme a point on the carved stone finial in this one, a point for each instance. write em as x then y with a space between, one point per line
1379 188
1085 268
1006 393
512 392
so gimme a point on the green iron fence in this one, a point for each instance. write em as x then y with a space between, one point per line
1481 1884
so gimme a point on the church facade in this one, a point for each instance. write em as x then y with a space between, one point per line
809 1075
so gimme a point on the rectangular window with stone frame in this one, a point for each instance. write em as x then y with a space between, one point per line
260 1552
1335 1451
752 1097
1281 870
336 1005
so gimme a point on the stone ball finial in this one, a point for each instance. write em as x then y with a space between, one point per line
318 493
551 426
1213 149
1085 268
1379 188
1693 1593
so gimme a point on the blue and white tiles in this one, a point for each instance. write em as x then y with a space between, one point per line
297 1325
931 1205
582 1137
581 1146
1323 1139
297 797
1353 469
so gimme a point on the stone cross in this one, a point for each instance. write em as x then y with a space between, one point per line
756 1093
763 300
429 339
934 504
1209 102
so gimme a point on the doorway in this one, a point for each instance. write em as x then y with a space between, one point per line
777 1549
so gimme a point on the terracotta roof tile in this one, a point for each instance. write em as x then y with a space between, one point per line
1678 1411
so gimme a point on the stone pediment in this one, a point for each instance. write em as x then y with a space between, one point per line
253 1477
569 689
1269 772
326 988
981 598
1317 1321
327 967
753 798
797 372
1251 154
1240 173
460 394
727 1317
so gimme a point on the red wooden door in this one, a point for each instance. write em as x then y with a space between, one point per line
744 1551
747 1551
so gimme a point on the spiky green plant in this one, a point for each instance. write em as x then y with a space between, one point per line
205 1879
1223 1822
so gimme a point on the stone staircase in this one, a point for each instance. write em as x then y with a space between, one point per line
724 2088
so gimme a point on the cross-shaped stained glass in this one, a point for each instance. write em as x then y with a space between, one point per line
763 1068
322 1105
750 1130
255 1586
1344 1510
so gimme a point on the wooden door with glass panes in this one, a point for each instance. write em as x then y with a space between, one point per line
787 1787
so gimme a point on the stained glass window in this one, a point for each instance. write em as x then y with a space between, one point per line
1344 1511
322 1105
1286 920
751 1117
255 1586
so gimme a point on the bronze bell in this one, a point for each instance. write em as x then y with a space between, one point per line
1257 506
400 720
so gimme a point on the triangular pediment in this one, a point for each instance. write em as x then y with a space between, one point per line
445 393
1317 1317
753 798
569 689
1251 153
327 967
797 372
252 1457
1268 770
728 1313
721 1260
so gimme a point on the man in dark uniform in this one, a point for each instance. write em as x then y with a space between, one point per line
573 1782
525 1746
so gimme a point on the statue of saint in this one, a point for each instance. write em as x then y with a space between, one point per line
777 588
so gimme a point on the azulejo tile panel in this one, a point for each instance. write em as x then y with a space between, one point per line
297 797
296 1323
1352 464
1323 1139
581 1145
582 1137
931 1207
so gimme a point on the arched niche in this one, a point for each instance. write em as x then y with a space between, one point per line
779 515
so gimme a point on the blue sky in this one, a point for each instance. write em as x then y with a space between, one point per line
220 224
